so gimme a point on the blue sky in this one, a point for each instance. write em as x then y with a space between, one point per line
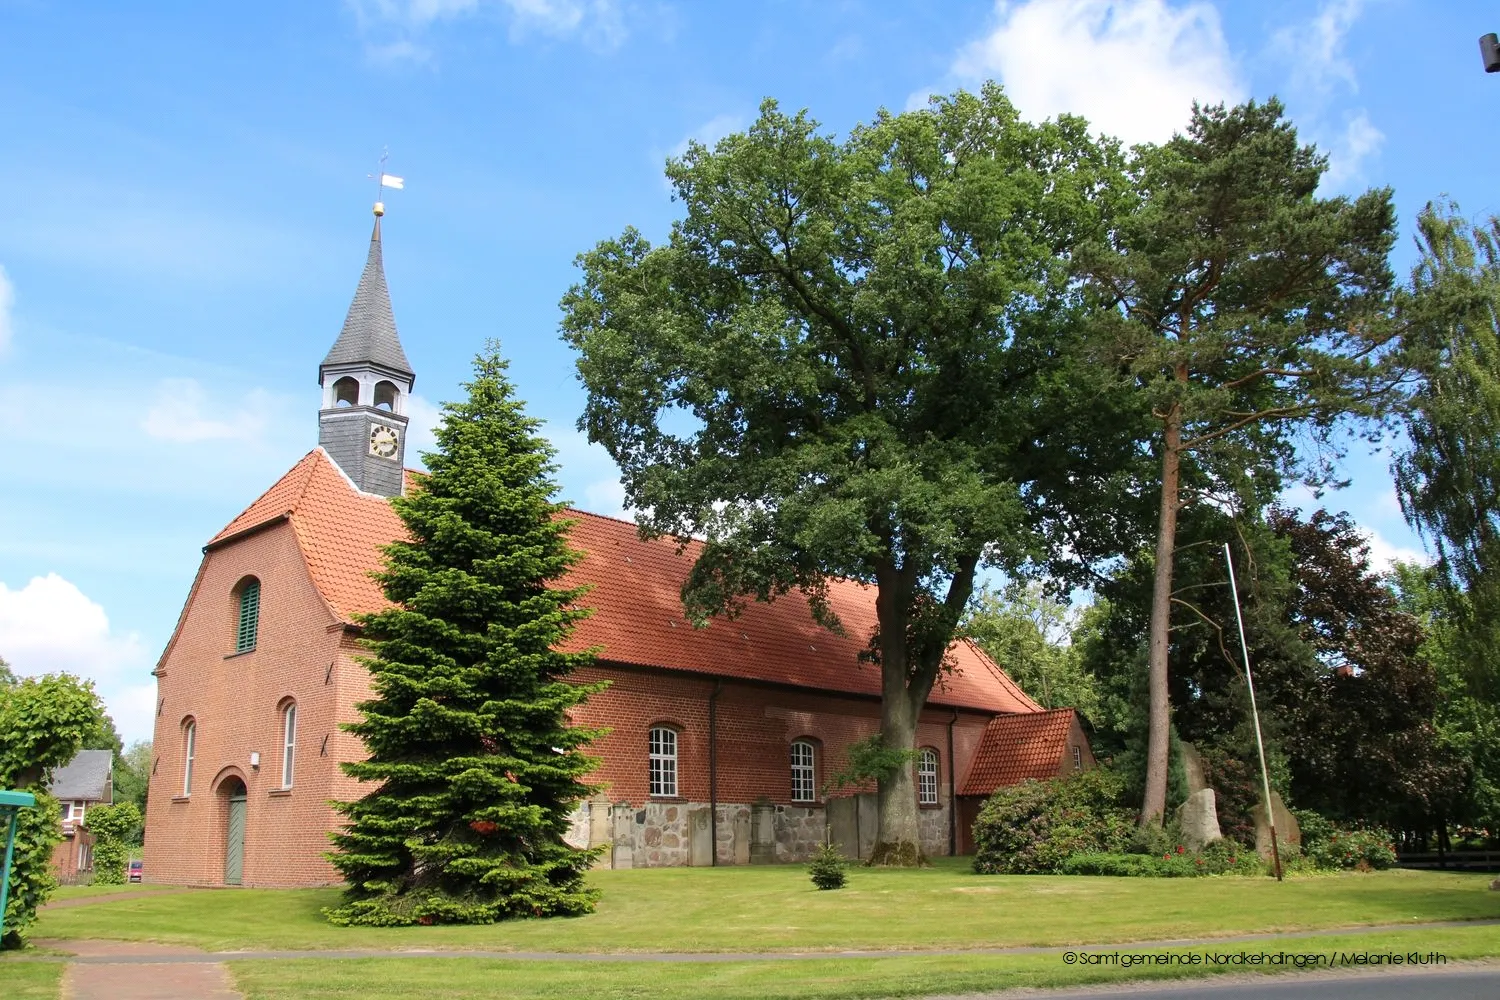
184 210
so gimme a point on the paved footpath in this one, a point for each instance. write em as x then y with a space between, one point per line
125 970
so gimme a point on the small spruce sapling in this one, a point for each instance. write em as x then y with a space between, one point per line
827 868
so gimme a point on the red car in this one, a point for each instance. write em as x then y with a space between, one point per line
135 871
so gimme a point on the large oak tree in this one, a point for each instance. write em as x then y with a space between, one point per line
852 359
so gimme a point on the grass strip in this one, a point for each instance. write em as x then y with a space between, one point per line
777 909
816 979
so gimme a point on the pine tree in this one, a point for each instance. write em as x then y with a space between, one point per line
473 764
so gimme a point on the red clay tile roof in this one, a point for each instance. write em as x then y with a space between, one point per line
1017 747
636 585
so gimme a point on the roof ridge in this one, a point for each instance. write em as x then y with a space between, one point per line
307 474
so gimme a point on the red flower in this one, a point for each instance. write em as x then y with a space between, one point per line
1166 857
425 921
484 827
1179 848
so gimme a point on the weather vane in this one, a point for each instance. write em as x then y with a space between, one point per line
384 180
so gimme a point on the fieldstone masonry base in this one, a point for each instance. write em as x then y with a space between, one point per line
667 834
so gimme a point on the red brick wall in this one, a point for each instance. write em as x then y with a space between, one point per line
236 702
65 856
756 726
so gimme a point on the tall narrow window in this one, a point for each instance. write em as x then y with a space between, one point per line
189 738
249 622
803 769
663 761
1077 758
288 742
927 777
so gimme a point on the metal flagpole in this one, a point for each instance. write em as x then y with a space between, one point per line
1265 775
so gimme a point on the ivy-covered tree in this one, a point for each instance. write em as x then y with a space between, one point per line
859 359
1242 305
44 721
114 828
473 763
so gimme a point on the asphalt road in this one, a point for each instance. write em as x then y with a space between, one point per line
1459 984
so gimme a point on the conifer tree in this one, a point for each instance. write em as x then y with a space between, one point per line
472 762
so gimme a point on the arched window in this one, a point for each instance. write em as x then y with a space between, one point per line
248 593
288 742
804 770
189 739
663 761
346 391
927 777
385 395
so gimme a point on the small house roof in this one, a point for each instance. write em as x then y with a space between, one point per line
86 777
1018 747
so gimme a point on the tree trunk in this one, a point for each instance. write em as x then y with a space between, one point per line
898 842
1154 807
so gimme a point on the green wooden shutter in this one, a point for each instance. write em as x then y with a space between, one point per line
249 617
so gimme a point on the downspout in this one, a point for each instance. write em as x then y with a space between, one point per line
952 791
713 773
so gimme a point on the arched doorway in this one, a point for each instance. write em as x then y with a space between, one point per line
233 792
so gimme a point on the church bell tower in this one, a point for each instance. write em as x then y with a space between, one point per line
366 380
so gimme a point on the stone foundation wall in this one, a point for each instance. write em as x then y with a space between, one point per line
663 834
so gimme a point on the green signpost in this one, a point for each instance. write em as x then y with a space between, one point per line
11 804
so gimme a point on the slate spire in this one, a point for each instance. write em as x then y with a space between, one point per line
366 380
369 335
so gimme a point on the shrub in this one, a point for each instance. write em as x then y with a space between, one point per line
827 868
1035 826
1219 858
1360 849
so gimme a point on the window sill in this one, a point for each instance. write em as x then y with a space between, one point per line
182 798
279 793
929 805
673 799
805 804
245 652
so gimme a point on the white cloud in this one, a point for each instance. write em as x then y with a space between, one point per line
178 414
710 132
1383 552
1131 67
1319 73
50 626
1316 48
599 24
7 302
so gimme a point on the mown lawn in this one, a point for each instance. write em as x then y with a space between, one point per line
30 980
776 909
814 979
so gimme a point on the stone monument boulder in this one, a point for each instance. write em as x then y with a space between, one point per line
1287 831
1198 819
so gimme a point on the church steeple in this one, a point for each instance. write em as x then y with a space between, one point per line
366 379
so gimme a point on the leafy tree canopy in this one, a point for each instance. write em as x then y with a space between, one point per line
44 721
857 359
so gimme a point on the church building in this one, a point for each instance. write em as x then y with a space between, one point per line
720 742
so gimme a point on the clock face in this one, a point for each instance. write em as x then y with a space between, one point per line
383 442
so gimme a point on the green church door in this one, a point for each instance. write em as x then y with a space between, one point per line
234 853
